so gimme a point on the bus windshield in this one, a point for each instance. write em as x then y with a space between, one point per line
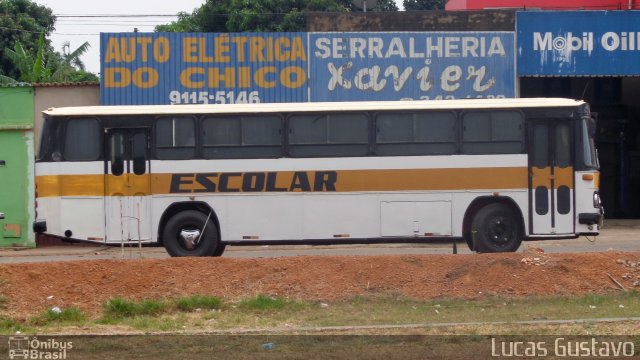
590 157
45 139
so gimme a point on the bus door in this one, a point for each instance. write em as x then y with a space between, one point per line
127 185
551 183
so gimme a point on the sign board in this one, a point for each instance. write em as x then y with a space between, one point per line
196 68
578 43
192 68
411 65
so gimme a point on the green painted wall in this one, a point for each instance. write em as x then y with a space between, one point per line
16 166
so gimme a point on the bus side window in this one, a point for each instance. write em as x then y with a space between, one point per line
330 135
242 137
175 138
492 132
82 140
117 154
416 133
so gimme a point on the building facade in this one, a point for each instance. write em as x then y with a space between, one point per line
17 189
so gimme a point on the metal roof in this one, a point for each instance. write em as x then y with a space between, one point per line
66 84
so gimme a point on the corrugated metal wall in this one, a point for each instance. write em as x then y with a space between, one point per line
181 68
164 68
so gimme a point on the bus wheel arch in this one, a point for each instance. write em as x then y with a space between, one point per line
175 210
491 204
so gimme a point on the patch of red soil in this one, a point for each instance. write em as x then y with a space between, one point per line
30 288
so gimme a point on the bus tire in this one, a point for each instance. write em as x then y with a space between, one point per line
189 224
470 243
219 249
497 229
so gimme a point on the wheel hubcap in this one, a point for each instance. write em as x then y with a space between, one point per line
500 231
190 237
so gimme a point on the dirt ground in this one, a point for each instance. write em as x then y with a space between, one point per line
30 288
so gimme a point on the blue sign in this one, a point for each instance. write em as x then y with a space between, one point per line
217 68
411 65
578 43
197 68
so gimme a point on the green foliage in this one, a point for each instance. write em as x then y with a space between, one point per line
198 302
418 5
385 5
119 308
69 315
23 21
27 55
260 15
263 302
69 67
47 67
30 68
7 323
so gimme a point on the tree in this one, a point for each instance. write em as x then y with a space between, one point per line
385 5
47 66
259 15
417 5
26 53
22 21
68 67
30 68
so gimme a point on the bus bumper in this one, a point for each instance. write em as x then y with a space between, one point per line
591 218
39 226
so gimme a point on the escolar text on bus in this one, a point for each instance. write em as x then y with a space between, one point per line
254 182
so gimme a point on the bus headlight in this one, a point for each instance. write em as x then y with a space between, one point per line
596 200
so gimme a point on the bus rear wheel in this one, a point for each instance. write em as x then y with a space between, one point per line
186 234
496 229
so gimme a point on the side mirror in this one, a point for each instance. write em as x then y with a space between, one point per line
1 216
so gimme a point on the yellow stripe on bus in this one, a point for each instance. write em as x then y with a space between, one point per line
286 181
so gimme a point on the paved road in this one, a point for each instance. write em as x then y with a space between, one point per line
618 235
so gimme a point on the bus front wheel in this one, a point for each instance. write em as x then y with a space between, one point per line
191 233
496 229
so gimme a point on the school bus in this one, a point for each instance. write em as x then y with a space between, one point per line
196 178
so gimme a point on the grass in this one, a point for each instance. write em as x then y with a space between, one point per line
266 303
195 302
71 315
263 312
121 308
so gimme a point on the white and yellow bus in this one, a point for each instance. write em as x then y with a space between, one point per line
195 178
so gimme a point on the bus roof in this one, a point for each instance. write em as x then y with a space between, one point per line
313 107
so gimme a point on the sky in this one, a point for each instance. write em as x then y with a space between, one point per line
77 30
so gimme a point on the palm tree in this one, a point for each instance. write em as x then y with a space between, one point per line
70 65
